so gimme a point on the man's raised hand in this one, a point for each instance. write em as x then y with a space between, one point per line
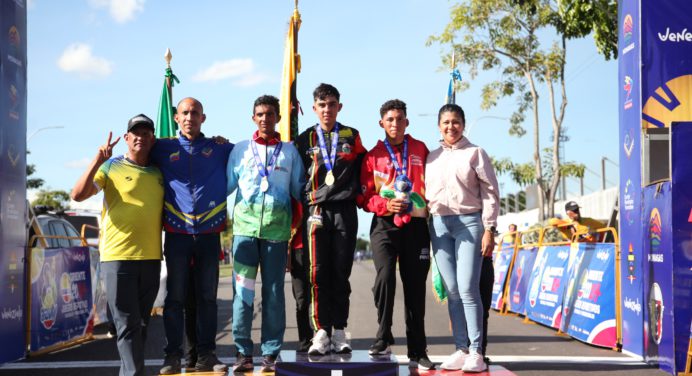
106 150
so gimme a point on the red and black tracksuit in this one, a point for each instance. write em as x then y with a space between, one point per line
331 241
409 244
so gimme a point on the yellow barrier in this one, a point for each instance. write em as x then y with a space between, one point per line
83 234
61 345
688 364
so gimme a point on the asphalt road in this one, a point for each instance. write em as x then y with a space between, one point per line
524 349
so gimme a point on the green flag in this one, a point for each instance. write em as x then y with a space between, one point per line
166 126
438 286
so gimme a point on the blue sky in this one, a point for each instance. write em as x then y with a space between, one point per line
93 64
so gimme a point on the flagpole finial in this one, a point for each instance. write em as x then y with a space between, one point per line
296 4
168 56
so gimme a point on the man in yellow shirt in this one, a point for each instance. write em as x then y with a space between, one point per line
585 226
130 239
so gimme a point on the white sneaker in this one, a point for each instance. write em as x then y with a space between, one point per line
340 344
455 361
320 343
474 363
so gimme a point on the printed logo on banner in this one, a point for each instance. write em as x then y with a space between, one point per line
629 202
633 305
627 31
675 36
14 102
49 296
14 42
628 90
631 269
628 145
655 236
670 102
656 308
11 313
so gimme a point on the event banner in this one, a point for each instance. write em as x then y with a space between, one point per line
501 261
629 106
681 140
61 302
519 278
13 64
589 301
98 288
546 286
658 280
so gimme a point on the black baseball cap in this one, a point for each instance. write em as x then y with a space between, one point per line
571 206
140 120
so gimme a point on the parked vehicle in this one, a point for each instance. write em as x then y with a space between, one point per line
44 221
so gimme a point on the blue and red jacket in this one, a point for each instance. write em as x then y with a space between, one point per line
194 174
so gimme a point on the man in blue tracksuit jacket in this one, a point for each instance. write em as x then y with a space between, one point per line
194 214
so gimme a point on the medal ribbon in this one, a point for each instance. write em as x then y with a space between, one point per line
265 171
400 170
329 159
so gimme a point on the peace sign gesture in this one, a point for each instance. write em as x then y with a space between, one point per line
106 150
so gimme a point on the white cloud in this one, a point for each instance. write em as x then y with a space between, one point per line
79 164
77 58
251 79
222 70
121 10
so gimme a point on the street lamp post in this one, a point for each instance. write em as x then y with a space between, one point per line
42 129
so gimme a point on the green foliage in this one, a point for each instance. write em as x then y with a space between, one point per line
580 18
57 199
32 183
525 173
362 243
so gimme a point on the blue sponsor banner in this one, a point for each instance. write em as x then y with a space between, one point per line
658 281
546 287
501 262
629 106
12 177
681 138
519 278
589 301
61 296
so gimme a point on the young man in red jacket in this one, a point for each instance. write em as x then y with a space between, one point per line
393 184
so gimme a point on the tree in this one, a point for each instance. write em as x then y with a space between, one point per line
57 199
503 35
32 183
362 244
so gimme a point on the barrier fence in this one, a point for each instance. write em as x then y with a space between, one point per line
570 286
64 295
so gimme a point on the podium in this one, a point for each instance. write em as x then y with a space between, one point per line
358 363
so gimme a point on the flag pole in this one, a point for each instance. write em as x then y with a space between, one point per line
168 56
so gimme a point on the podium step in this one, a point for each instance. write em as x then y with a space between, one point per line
358 363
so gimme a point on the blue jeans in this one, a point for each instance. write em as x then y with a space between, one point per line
131 288
270 256
202 252
456 243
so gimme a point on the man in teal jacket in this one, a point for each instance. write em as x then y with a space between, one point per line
266 173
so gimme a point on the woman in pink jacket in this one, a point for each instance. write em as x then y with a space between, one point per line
463 202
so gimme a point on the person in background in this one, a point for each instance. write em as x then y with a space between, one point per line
463 201
130 243
585 226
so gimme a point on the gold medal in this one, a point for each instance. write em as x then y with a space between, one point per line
329 179
264 185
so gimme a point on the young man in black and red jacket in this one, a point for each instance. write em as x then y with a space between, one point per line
393 181
332 154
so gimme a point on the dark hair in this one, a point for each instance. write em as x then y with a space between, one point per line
325 90
267 100
393 104
451 107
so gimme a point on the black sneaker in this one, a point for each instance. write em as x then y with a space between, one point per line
171 365
243 363
422 363
268 363
191 362
380 347
209 362
304 346
486 360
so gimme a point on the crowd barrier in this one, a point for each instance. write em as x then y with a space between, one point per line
65 297
570 286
